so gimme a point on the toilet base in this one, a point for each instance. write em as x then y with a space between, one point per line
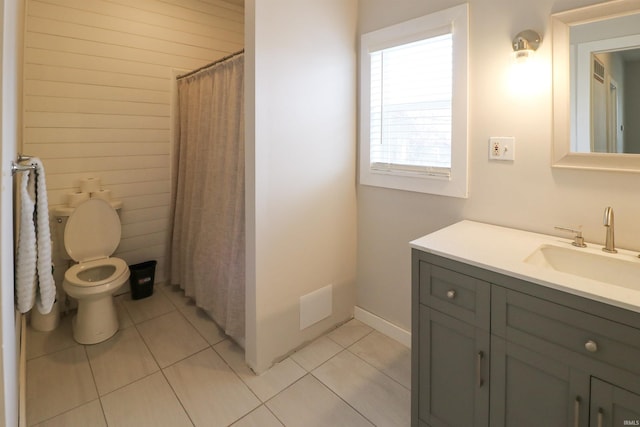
96 321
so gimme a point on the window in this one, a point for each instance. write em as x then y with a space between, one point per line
414 105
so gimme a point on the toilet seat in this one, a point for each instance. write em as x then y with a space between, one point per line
118 266
93 231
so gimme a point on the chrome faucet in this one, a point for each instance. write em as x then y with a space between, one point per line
609 245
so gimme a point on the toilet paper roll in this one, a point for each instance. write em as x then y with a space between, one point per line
90 185
46 322
102 194
74 199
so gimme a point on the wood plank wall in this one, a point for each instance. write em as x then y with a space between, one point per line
97 98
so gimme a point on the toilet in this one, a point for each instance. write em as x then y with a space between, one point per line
91 235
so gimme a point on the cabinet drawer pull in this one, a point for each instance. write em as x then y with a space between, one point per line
600 417
591 346
479 368
576 412
451 294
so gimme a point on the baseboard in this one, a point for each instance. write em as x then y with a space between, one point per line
22 375
383 326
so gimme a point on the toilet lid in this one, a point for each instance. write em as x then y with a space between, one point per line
93 231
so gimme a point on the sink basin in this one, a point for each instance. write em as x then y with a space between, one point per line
619 270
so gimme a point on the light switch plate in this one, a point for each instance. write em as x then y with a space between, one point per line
502 148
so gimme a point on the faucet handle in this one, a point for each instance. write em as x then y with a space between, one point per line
578 240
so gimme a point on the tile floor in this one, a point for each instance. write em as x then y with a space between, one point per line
170 365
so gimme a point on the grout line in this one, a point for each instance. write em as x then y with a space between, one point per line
72 343
160 368
367 363
173 390
272 413
340 397
195 308
236 373
380 370
104 415
282 391
177 361
69 410
295 363
93 375
155 316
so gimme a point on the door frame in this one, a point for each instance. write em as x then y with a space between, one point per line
9 129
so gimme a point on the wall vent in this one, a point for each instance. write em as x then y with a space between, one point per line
315 306
598 70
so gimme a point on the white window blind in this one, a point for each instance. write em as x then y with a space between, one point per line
410 107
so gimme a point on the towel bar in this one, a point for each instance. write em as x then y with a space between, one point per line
20 168
16 167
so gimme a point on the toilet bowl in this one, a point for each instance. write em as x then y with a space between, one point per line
91 235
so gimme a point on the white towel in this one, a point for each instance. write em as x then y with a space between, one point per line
34 279
27 250
47 286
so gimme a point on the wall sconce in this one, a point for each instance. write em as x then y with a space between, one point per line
526 74
524 44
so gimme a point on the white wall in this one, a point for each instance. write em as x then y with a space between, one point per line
301 207
526 194
97 94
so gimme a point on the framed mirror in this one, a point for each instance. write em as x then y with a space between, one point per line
596 87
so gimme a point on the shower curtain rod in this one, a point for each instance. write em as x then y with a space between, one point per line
204 67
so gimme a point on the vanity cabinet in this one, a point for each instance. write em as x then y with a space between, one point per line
454 345
490 349
532 389
613 406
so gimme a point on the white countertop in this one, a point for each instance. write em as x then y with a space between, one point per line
503 250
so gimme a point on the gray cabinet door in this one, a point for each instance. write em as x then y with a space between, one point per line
613 406
532 390
453 371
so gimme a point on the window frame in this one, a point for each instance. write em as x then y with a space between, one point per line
456 185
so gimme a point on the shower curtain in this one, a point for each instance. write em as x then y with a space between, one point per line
208 237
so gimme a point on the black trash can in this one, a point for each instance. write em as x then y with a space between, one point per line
141 279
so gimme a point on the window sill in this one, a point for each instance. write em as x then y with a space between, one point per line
453 186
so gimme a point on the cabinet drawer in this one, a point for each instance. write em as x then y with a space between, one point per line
461 296
534 322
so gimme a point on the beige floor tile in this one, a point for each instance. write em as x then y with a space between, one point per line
87 415
147 308
266 385
176 296
124 320
57 383
376 396
122 359
350 332
316 353
146 402
260 417
387 355
308 403
41 343
196 316
204 324
171 338
212 394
